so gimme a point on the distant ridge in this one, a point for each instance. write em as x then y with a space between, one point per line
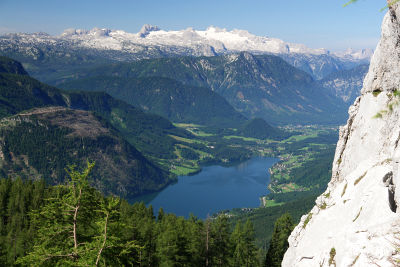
263 86
166 97
220 39
153 42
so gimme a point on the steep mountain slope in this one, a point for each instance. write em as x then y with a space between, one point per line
47 56
19 92
345 85
356 221
154 136
263 86
10 66
48 60
38 143
149 133
320 66
166 97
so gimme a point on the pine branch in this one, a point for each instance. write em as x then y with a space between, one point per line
71 255
389 3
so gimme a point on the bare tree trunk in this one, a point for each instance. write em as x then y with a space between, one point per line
104 240
75 219
207 238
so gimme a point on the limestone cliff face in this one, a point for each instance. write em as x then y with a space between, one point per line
356 221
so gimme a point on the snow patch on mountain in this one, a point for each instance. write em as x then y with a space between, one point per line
212 40
153 42
355 54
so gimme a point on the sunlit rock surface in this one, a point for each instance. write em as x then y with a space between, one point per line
355 223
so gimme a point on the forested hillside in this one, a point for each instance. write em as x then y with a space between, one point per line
35 145
260 129
256 85
168 149
21 92
35 225
39 143
166 97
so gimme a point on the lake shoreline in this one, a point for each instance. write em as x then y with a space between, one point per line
215 188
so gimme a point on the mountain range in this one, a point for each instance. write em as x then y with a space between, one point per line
166 97
43 128
263 86
184 75
213 40
345 84
152 42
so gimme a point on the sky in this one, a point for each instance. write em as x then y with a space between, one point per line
315 23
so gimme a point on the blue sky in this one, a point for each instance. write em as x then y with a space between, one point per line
316 23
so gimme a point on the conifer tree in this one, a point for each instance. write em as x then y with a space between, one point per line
250 247
279 241
75 227
161 214
194 228
238 250
220 246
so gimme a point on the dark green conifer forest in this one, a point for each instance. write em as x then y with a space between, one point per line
279 241
72 224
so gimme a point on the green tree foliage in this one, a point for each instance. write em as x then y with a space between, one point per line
148 132
250 247
237 81
17 198
263 218
166 97
244 250
36 146
220 245
389 3
259 128
8 65
189 154
279 242
76 227
316 172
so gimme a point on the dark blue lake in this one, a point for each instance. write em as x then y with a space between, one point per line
216 188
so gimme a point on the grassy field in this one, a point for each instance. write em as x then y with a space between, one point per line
229 137
184 170
296 151
297 138
195 129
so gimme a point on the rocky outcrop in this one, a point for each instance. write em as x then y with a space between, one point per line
356 221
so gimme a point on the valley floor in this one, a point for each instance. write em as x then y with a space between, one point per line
296 180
